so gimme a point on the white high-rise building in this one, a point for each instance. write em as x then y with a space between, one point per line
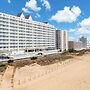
62 40
88 43
20 33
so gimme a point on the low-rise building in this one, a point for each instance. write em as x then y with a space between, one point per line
76 45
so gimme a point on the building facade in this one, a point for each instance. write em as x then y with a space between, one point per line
22 33
88 43
61 40
70 44
84 42
76 45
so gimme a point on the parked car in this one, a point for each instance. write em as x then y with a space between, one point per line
40 53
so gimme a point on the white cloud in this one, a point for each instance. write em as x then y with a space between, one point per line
71 38
38 15
25 10
9 1
85 22
32 5
72 30
46 4
84 26
67 15
83 30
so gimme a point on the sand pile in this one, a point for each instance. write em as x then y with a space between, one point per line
27 73
74 76
6 83
71 74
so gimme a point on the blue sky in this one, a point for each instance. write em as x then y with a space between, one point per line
72 15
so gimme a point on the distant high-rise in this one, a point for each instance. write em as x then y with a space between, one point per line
84 42
61 40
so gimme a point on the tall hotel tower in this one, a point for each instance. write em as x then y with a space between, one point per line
22 33
62 40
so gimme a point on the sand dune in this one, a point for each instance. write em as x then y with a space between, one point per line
72 74
6 83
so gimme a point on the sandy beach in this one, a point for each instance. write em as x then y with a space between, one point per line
73 74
